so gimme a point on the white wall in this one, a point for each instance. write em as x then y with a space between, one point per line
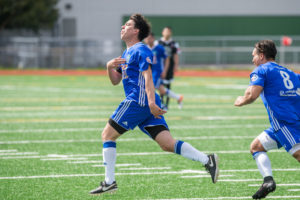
101 19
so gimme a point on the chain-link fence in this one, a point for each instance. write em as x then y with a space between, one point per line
232 50
48 52
64 53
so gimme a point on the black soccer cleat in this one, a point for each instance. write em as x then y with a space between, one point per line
105 188
268 186
213 167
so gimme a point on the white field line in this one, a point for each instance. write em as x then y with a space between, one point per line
86 155
56 130
124 140
174 127
293 190
121 165
87 175
227 86
9 150
85 162
284 185
207 96
18 153
229 117
254 170
57 159
231 198
116 99
91 120
95 107
239 180
51 114
79 120
54 108
239 170
55 89
94 112
126 154
117 174
204 176
145 168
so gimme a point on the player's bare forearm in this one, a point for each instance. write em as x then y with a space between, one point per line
251 94
114 76
149 86
150 91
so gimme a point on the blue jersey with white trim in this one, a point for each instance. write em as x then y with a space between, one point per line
281 92
138 58
159 56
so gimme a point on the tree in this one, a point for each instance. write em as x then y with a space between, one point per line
28 14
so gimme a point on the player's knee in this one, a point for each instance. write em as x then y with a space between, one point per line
167 147
106 135
256 146
297 156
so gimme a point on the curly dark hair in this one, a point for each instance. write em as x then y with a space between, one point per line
141 23
266 47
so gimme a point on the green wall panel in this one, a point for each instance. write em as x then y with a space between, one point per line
226 25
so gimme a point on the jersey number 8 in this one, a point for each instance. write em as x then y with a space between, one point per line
286 80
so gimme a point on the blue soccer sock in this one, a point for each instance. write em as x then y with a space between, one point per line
263 163
189 152
109 160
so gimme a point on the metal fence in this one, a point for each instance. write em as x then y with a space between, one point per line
232 50
48 52
220 52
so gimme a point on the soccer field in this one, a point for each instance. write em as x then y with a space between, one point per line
50 146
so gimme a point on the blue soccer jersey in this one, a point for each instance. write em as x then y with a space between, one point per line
281 93
138 58
134 110
159 56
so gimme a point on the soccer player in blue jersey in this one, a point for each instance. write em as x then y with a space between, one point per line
279 89
141 106
160 59
173 51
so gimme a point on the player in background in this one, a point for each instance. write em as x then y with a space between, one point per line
141 106
173 50
160 59
279 89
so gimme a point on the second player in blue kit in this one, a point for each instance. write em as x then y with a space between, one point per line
160 60
279 89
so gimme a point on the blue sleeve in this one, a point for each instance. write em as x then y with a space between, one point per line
258 76
144 60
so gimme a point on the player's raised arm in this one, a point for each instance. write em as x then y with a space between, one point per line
251 94
114 76
150 91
